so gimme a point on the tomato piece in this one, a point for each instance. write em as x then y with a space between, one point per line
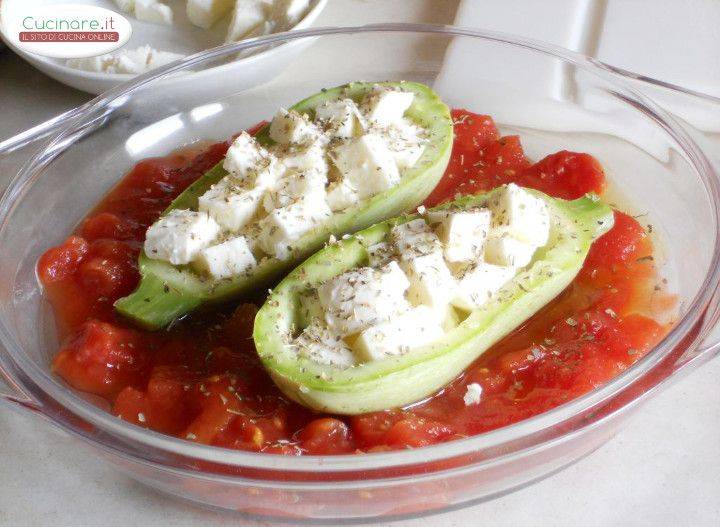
415 432
326 436
218 406
472 131
108 278
62 261
131 406
493 164
370 429
625 242
101 358
106 225
566 175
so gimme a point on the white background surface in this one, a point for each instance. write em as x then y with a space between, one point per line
662 469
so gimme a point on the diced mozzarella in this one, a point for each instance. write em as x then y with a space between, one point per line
204 13
319 344
507 251
414 328
142 59
479 283
128 6
385 106
288 127
294 186
231 205
431 282
287 13
414 238
340 118
305 158
405 144
246 15
380 254
367 164
340 195
153 11
473 393
99 64
230 258
521 215
283 226
362 297
245 155
180 235
463 233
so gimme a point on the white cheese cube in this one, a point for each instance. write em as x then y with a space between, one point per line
363 297
385 106
380 254
179 236
157 58
142 59
406 144
479 283
231 205
320 345
340 195
290 127
204 13
431 282
127 6
473 394
245 155
463 233
521 215
507 251
414 238
367 164
230 258
154 12
340 118
304 158
287 13
294 186
246 15
283 226
414 328
98 64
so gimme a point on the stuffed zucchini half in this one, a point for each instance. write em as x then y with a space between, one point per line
169 289
343 362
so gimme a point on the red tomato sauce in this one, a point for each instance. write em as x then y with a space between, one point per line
202 381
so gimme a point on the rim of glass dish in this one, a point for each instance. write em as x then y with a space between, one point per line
116 428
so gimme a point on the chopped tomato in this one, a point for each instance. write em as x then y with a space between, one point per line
567 175
102 359
62 261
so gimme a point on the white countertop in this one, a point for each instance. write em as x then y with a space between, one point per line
662 469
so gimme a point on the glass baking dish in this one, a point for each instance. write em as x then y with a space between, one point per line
658 158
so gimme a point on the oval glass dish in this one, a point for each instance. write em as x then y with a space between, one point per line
551 97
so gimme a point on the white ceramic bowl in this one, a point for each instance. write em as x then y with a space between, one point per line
182 37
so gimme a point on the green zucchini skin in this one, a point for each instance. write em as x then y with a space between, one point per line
167 292
399 381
